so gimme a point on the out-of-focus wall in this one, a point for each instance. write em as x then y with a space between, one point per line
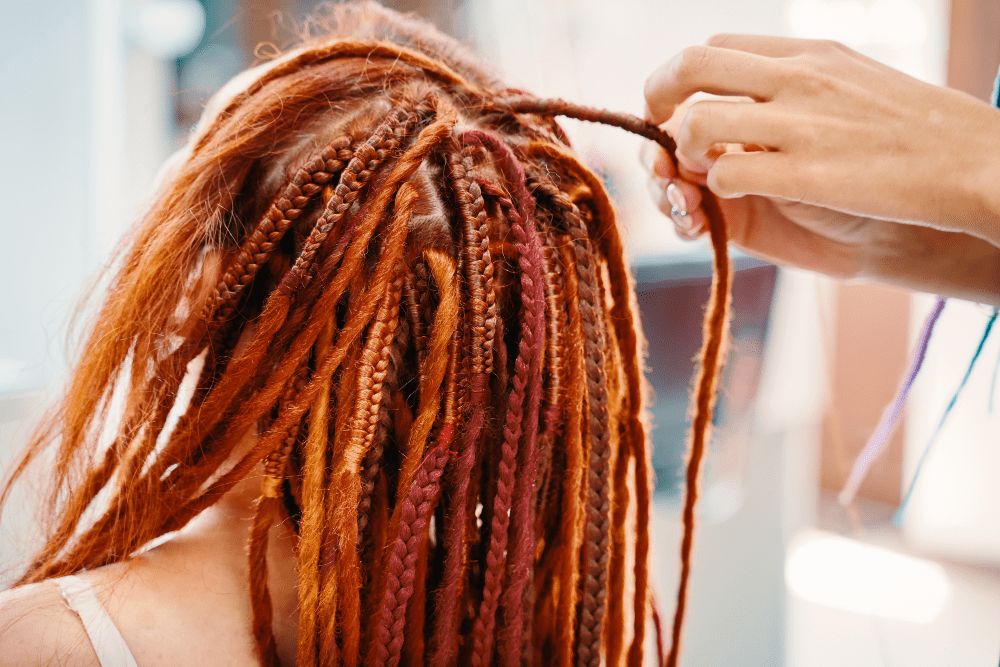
45 183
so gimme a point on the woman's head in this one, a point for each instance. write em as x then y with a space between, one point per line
412 295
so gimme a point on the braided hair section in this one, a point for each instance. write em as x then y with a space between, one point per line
400 287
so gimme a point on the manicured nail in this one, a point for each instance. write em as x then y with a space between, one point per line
678 208
676 198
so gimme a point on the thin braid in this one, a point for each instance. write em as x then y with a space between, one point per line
453 401
414 512
372 460
471 207
506 478
711 357
331 592
267 508
571 530
414 311
421 312
557 107
555 321
346 478
310 526
531 261
522 555
597 544
657 627
555 324
419 488
405 167
621 454
527 386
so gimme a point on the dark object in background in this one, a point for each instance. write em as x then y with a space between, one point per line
672 291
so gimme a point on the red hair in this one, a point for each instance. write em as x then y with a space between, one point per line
438 330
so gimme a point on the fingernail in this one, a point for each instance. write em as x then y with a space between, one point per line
676 198
682 218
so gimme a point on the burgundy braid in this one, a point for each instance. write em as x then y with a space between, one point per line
531 261
479 276
527 387
416 509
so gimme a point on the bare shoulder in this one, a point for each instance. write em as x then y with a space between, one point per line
37 628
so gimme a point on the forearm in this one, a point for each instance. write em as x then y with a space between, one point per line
949 264
984 217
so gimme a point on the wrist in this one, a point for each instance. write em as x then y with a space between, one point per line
946 263
983 218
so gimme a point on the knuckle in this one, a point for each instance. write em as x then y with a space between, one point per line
723 178
651 90
828 46
720 180
696 122
807 77
690 62
720 40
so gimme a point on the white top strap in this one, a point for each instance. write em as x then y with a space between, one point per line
110 646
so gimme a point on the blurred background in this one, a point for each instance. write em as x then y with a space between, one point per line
97 94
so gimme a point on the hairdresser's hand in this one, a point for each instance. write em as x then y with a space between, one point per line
866 173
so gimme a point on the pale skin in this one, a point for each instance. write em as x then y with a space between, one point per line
185 602
827 160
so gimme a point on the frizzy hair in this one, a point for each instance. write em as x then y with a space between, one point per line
396 275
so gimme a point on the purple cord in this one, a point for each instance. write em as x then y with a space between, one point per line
892 411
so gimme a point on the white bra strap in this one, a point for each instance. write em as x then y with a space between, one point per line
110 646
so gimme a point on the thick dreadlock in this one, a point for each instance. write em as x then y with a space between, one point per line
425 312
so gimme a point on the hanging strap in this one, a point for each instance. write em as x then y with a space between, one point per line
110 646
